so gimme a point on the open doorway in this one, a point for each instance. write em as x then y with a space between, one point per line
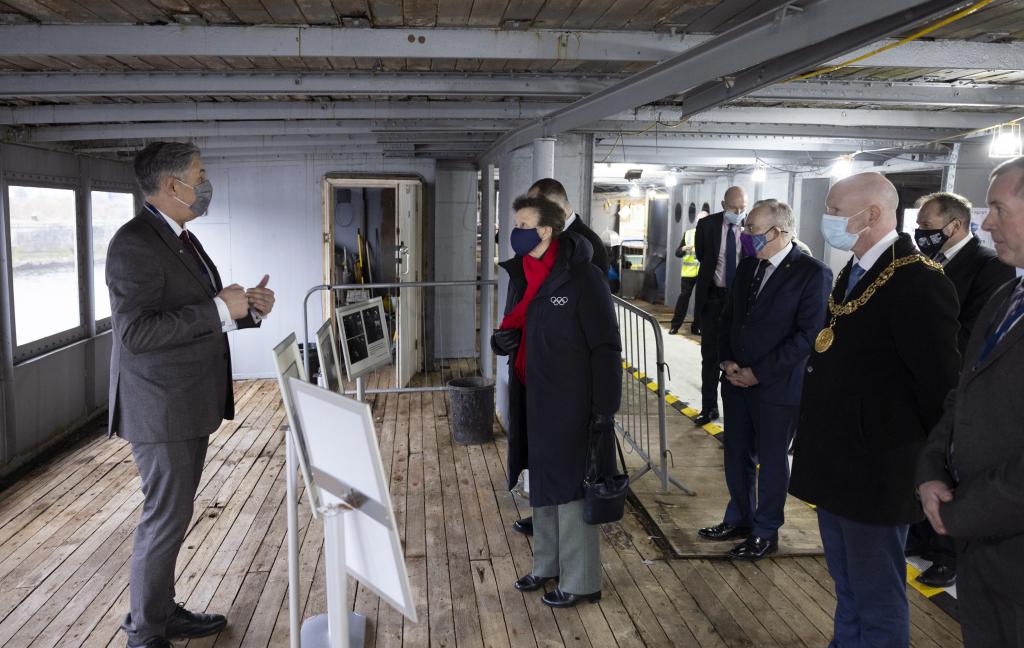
372 234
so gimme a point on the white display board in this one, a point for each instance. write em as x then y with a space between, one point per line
289 365
327 351
978 215
364 337
342 443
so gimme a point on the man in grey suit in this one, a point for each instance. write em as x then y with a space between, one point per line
170 374
970 475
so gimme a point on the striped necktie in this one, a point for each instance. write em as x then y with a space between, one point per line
1013 313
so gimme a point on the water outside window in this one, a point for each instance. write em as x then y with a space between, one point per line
44 260
110 210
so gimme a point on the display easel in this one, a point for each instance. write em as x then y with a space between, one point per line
331 439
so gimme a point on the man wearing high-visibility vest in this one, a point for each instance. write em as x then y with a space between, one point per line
688 279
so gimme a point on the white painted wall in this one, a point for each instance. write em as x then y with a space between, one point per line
455 217
267 218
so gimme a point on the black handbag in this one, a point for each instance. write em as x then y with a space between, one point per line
604 497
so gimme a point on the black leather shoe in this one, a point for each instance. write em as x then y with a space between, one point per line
152 642
694 330
524 526
754 548
724 531
529 583
939 576
706 417
673 330
191 625
560 599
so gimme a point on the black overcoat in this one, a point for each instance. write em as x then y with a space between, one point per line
573 370
871 399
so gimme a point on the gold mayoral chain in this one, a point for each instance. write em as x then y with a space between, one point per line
828 334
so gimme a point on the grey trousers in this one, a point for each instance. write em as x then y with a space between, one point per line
170 475
567 547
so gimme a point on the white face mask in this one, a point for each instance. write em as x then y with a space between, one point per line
833 228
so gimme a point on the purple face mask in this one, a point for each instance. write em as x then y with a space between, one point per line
747 245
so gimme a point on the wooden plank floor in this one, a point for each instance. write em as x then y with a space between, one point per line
66 535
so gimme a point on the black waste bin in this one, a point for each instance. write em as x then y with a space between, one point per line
472 410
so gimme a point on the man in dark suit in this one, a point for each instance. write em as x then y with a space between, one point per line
944 234
170 374
771 317
718 251
970 476
554 191
873 389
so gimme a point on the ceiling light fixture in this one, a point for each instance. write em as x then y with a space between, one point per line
760 173
634 190
842 168
1006 141
671 180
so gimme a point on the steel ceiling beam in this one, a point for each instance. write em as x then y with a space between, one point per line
347 42
873 92
455 128
855 117
441 43
754 143
174 84
750 56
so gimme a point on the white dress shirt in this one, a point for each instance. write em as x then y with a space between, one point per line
877 250
227 324
951 252
569 221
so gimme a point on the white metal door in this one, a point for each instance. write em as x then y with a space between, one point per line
410 309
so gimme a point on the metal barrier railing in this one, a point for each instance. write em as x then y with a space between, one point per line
486 304
640 334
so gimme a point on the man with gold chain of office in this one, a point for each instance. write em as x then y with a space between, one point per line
875 384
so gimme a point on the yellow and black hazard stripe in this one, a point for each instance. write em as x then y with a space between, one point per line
940 597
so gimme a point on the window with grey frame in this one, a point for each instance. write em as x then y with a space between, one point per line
49 261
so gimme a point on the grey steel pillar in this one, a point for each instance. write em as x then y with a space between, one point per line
543 158
7 418
86 271
487 217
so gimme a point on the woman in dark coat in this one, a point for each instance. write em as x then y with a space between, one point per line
562 339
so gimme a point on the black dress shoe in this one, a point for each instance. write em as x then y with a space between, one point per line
152 642
724 531
706 417
530 582
191 625
524 526
694 330
939 576
560 599
754 548
673 330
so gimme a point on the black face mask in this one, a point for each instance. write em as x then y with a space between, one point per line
930 241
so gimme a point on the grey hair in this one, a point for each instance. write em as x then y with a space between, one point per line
781 213
161 159
951 206
1016 164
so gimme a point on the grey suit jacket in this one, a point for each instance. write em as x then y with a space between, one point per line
170 367
984 419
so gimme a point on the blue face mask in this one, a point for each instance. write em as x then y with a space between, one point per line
734 217
833 228
753 243
524 240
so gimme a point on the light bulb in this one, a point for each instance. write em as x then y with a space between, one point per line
671 180
760 173
842 168
634 191
1006 141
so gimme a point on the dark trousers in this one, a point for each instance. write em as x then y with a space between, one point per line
866 563
170 475
709 369
989 595
686 285
756 432
934 547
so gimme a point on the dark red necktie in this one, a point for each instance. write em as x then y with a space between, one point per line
186 239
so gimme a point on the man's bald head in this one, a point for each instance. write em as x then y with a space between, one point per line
870 202
735 200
